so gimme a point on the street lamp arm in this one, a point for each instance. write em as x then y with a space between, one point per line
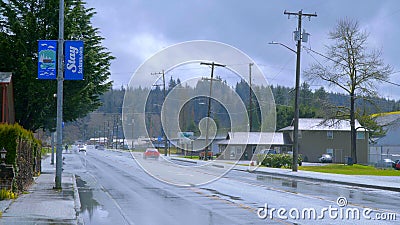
278 43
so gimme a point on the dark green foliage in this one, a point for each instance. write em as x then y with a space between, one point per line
284 114
23 152
242 89
22 24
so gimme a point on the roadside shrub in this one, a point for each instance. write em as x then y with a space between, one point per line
23 153
280 160
7 194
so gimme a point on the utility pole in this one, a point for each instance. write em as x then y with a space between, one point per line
113 132
52 148
116 135
133 132
212 64
108 133
104 133
250 101
299 37
164 94
60 80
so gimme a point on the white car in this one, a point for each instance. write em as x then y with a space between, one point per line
82 148
325 158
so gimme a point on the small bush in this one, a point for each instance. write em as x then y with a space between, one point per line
7 194
280 160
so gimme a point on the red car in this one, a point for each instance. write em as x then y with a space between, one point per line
151 153
397 165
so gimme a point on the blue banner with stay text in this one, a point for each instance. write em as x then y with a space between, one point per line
73 66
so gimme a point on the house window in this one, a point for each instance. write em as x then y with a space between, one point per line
361 135
329 134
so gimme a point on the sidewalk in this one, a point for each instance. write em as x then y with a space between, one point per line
42 204
390 183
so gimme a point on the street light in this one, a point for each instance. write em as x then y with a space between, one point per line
3 153
278 43
296 105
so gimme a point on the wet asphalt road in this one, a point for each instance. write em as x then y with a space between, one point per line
114 189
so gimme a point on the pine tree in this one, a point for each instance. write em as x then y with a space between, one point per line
22 24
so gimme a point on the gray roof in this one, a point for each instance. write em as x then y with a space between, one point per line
324 125
386 120
253 138
392 136
391 124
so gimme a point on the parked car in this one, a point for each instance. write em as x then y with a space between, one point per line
151 153
397 165
268 151
325 158
385 163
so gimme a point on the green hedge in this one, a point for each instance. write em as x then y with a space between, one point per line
23 152
280 160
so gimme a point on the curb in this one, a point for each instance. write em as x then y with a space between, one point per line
183 160
193 161
386 188
77 201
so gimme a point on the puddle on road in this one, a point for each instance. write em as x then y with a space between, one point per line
291 183
279 181
91 211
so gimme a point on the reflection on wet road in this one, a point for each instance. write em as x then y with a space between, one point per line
91 210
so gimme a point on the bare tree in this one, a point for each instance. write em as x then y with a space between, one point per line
351 67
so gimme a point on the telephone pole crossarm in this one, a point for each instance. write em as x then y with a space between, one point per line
212 64
299 13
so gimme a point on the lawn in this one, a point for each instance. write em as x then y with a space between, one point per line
351 170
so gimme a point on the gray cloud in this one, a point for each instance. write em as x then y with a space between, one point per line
136 29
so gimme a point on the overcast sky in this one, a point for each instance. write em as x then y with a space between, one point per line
136 29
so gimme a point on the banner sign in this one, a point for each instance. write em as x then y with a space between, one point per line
47 59
73 66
